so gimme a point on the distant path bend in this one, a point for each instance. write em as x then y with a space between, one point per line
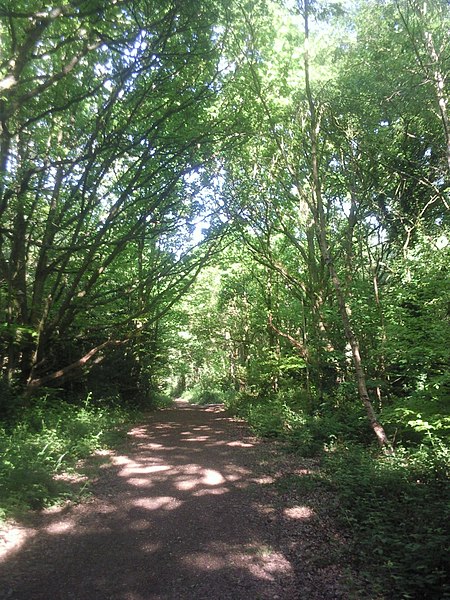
186 512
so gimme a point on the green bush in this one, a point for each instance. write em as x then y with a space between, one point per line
237 403
397 510
158 401
396 507
285 415
269 416
204 394
418 419
48 439
209 397
9 402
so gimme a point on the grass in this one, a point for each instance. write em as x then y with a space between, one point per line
47 442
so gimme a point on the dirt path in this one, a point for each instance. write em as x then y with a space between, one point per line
188 511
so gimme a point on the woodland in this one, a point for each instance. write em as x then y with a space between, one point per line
243 202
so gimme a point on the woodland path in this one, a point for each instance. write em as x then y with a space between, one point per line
187 509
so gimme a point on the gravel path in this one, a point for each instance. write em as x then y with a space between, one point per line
188 510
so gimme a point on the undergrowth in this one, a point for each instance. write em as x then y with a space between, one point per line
45 441
205 394
396 508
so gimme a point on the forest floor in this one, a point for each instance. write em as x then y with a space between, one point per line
191 507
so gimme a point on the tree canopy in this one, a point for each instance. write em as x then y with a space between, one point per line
302 134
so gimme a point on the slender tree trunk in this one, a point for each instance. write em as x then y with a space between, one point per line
316 206
432 67
439 88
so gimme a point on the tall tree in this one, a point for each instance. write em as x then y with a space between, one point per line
106 124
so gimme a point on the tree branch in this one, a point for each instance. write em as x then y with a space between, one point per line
78 364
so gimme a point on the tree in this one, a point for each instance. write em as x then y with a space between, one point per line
107 123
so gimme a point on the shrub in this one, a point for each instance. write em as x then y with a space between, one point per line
9 402
157 401
396 507
419 419
203 394
397 510
286 415
49 439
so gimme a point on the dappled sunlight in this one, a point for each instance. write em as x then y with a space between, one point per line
139 525
158 503
191 469
184 485
260 560
299 512
239 444
216 491
60 527
140 482
106 509
268 511
186 478
140 470
138 432
235 474
12 539
215 408
168 426
304 471
264 480
269 566
215 561
212 477
233 477
150 548
103 452
121 460
174 508
191 478
195 476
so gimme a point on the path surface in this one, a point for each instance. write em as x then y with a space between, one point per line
187 511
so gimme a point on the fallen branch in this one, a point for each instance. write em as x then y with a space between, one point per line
79 364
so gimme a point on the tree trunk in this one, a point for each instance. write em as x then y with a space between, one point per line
317 209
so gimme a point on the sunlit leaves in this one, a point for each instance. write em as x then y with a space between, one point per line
108 116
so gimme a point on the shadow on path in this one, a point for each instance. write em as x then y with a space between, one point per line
179 515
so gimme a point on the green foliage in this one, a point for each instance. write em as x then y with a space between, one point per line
396 508
418 419
286 415
109 166
46 441
10 401
397 511
99 242
203 394
272 418
158 401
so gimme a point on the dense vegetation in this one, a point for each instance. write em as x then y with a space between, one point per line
42 451
244 202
